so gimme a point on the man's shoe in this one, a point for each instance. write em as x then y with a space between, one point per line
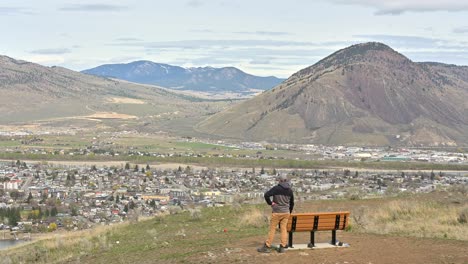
282 249
264 249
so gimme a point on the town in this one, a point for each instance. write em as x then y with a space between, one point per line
42 197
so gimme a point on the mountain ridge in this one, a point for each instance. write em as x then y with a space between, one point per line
228 79
32 92
364 94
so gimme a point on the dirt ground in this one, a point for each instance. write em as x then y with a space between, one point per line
364 248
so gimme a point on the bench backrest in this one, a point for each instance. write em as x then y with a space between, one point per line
302 222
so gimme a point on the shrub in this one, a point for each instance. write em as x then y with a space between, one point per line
253 217
463 216
52 227
195 214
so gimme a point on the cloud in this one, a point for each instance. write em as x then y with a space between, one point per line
197 44
93 8
57 51
202 31
448 57
128 39
46 59
263 33
460 30
260 61
194 3
403 41
386 7
15 11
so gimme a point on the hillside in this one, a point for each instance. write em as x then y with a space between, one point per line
35 94
423 229
205 79
366 94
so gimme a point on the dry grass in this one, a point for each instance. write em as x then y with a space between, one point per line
123 100
254 218
58 247
413 218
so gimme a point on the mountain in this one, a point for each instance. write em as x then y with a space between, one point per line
32 93
366 94
206 79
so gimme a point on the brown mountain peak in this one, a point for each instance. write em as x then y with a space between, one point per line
364 94
362 53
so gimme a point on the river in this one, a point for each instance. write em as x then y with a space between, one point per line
9 243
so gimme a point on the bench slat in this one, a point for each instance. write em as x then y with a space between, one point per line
326 221
330 226
320 214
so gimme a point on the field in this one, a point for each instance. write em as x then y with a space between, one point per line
182 151
428 228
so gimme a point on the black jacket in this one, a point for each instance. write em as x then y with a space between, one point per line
283 198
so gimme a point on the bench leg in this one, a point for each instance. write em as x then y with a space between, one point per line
290 241
312 240
333 237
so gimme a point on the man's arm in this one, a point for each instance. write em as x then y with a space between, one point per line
291 202
267 196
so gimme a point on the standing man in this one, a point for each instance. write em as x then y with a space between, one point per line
282 205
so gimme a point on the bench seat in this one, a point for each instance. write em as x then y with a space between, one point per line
314 222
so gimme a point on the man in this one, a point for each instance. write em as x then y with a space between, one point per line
282 205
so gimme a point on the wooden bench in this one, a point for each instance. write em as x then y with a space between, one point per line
313 222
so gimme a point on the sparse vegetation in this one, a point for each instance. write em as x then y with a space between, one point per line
183 236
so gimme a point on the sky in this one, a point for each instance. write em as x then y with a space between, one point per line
261 37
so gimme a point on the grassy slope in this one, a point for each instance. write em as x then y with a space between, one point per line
188 236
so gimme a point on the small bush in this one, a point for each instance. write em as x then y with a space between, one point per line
195 214
463 216
253 217
52 227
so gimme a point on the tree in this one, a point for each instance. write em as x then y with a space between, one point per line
15 194
14 216
29 197
54 212
74 211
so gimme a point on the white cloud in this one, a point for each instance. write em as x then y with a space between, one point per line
460 30
390 7
4 10
51 51
46 59
93 8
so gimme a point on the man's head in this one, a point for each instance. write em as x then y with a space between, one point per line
282 178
